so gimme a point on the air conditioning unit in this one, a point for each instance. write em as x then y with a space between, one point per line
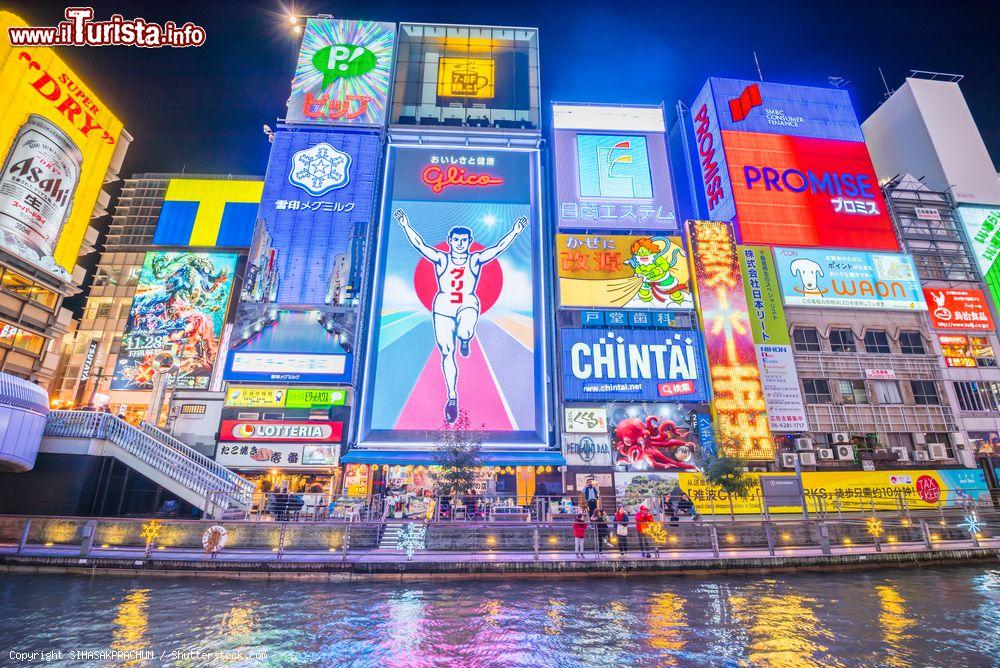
902 454
937 451
803 444
920 455
788 460
840 437
825 453
919 438
807 458
845 452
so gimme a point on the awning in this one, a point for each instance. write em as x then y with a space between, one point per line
490 457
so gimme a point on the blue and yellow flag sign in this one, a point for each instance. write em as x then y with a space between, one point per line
208 212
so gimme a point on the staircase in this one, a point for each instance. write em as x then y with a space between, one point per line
390 534
153 453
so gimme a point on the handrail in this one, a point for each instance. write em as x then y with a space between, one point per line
218 469
179 462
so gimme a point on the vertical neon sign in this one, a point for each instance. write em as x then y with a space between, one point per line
739 398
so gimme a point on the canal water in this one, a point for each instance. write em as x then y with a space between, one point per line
914 617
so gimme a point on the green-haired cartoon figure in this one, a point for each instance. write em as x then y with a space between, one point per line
662 267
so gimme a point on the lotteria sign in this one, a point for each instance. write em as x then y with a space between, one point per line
279 431
632 365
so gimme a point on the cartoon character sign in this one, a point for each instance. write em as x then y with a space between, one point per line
455 334
620 271
657 443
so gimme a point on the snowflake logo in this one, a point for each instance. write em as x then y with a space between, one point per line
411 538
320 169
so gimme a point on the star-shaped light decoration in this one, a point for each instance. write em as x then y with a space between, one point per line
412 537
971 524
873 526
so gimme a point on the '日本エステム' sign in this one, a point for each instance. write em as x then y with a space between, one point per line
738 401
619 271
343 72
848 279
456 328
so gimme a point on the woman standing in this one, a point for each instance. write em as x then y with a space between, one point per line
579 533
621 529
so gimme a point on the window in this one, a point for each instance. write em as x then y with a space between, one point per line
900 440
103 310
887 392
816 391
982 351
26 289
853 391
978 396
924 393
842 341
16 337
877 341
806 340
911 343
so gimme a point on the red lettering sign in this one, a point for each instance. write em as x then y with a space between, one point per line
958 309
438 179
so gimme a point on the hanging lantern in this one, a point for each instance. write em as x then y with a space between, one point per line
498 469
540 469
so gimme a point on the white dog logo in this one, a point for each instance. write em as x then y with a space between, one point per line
808 271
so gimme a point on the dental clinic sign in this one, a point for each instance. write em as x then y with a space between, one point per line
632 365
848 279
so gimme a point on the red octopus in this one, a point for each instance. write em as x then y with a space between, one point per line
654 441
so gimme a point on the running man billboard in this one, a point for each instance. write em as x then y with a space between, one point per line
455 295
179 306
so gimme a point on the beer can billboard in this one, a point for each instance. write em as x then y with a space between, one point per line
58 140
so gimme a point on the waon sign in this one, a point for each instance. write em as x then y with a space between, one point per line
958 309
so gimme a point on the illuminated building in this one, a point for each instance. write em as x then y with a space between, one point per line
154 212
43 232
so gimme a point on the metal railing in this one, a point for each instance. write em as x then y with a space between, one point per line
218 485
310 507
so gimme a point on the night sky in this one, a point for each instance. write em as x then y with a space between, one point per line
201 109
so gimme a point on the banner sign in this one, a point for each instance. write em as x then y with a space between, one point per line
612 171
179 306
662 435
628 319
617 271
848 279
457 324
280 430
632 365
921 488
958 309
587 450
775 360
342 76
239 396
208 212
272 455
740 410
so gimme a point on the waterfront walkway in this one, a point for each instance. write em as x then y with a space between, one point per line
380 564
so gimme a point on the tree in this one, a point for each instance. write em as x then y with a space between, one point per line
459 456
727 472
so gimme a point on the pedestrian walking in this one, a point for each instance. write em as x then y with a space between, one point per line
621 529
579 534
642 520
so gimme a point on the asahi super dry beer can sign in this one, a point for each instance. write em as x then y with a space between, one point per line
39 177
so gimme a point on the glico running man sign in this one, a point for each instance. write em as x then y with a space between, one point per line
454 331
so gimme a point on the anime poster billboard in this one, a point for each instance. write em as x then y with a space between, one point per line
454 338
179 306
623 271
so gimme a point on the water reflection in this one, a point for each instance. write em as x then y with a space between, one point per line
131 623
833 619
